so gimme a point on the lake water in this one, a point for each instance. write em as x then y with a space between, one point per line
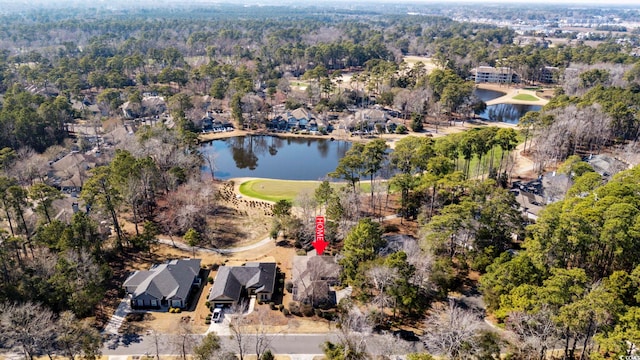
508 113
273 157
486 95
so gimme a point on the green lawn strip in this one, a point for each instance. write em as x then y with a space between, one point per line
298 83
525 97
275 190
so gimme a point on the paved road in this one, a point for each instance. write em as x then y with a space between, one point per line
303 345
281 344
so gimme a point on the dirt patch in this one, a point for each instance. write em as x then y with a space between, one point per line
275 322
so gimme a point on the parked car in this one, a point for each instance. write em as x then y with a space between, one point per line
217 315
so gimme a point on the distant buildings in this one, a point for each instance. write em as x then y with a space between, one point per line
490 74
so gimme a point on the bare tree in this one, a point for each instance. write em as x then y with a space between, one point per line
354 331
75 338
381 277
210 159
306 205
156 339
388 345
28 327
534 331
450 329
238 327
421 260
184 341
263 339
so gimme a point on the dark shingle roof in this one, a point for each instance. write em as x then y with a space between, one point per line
171 280
231 279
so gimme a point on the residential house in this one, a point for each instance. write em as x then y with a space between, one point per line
233 283
490 74
369 120
299 119
164 285
313 277
70 172
211 124
149 106
278 123
605 165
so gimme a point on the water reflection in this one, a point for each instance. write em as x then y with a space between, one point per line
273 157
487 95
508 113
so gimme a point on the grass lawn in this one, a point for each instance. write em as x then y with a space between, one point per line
525 97
298 83
275 190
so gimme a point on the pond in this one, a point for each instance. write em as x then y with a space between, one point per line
486 95
508 113
274 157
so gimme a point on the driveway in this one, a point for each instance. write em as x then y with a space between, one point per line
222 328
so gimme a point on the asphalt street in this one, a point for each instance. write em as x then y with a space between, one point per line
291 344
166 344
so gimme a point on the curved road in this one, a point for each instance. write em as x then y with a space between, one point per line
183 246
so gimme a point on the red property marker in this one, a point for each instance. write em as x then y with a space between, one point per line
320 244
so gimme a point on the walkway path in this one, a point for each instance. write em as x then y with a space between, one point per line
183 246
118 317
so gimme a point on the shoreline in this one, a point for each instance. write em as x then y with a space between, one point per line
509 92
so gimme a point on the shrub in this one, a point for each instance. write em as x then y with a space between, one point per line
267 355
285 311
210 280
280 307
207 304
208 317
328 315
281 281
294 307
207 321
259 302
272 305
178 310
317 312
289 287
307 310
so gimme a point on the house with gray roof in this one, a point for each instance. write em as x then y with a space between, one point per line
313 276
232 283
164 285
